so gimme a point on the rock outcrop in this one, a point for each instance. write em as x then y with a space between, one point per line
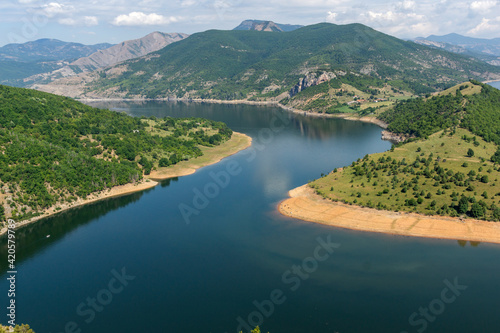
311 79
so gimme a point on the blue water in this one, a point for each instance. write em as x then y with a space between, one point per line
237 254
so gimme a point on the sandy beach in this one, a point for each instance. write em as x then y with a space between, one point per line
305 204
211 155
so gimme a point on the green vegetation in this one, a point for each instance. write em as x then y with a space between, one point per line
254 65
360 94
477 111
448 167
427 176
17 329
55 150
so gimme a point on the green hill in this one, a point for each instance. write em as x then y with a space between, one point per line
56 150
450 165
260 65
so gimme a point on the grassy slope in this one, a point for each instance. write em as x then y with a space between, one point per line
442 176
448 152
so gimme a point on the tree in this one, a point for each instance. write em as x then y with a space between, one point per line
496 157
477 210
463 205
164 162
470 152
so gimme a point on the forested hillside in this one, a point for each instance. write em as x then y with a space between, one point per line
260 65
55 149
473 105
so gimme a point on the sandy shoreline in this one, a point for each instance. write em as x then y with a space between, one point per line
238 142
306 205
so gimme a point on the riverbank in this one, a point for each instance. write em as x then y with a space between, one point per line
346 116
306 205
212 155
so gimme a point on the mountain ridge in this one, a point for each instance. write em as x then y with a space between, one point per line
48 49
251 24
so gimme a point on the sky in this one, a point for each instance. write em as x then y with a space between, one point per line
113 21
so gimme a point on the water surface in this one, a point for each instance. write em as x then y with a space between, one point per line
237 250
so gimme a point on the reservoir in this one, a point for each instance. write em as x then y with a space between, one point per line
209 252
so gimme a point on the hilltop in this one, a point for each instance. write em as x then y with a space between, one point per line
262 25
251 65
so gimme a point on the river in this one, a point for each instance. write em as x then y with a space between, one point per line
209 252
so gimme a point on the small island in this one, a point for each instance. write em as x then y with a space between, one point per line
442 182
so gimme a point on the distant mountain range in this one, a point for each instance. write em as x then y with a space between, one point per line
111 56
260 25
48 50
46 60
253 65
487 50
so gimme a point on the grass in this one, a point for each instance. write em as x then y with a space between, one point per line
210 155
470 89
380 184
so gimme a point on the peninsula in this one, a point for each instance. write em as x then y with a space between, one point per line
441 183
58 153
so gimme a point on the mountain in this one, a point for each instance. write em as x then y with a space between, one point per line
487 50
456 39
103 58
18 61
260 25
233 65
48 50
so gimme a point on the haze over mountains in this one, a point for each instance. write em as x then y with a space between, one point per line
46 60
48 50
103 58
487 50
255 65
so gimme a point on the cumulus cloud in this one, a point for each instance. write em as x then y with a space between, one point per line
482 6
486 25
54 8
86 21
331 16
139 18
90 21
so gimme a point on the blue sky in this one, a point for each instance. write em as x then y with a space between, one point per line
96 21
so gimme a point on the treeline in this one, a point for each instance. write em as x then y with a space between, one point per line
54 149
479 113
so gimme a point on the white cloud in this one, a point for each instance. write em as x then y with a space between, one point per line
90 21
406 5
54 8
331 16
139 18
482 6
67 21
486 25
86 20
